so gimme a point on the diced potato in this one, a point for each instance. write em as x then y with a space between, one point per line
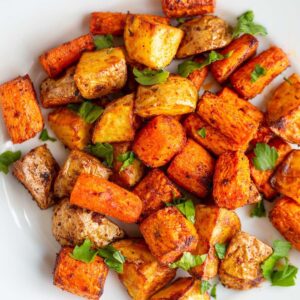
155 190
159 140
231 184
101 72
80 278
240 269
175 96
55 60
198 76
72 225
116 123
193 169
37 171
132 174
285 218
254 195
20 110
286 179
151 43
183 8
203 34
70 128
142 274
273 60
262 178
99 195
168 234
60 91
283 110
242 49
230 115
186 288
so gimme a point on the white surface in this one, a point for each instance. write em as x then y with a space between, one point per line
28 28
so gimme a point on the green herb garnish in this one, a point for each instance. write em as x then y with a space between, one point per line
188 261
103 41
220 250
104 151
7 158
202 132
150 77
127 158
258 210
258 71
265 157
185 206
213 291
44 136
84 252
204 286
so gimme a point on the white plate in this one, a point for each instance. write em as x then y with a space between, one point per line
28 28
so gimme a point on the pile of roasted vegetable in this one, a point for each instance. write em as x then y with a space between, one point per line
142 142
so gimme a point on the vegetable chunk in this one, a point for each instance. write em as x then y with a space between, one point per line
168 234
99 195
198 76
20 110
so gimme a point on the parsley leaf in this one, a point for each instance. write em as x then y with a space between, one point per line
102 150
150 77
287 80
188 261
84 252
258 71
220 250
286 276
112 257
202 132
7 158
246 24
213 291
185 206
44 136
204 286
258 210
127 158
103 41
87 111
265 157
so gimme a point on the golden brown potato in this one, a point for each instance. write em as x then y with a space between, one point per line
193 169
198 76
203 34
240 269
285 216
142 274
151 43
72 225
37 171
101 72
273 60
70 128
231 184
80 278
186 288
286 179
60 91
242 49
168 234
283 110
155 190
175 96
116 123
21 113
159 140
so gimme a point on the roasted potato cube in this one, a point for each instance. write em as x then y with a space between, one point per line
254 195
142 274
168 234
283 110
286 179
273 60
80 278
116 123
240 269
262 178
182 8
99 195
37 171
231 184
242 49
159 140
175 96
155 190
20 110
70 128
151 43
193 169
285 218
230 115
55 60
182 289
60 91
203 34
132 174
198 76
101 72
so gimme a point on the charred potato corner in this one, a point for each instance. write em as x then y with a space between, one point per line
148 147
